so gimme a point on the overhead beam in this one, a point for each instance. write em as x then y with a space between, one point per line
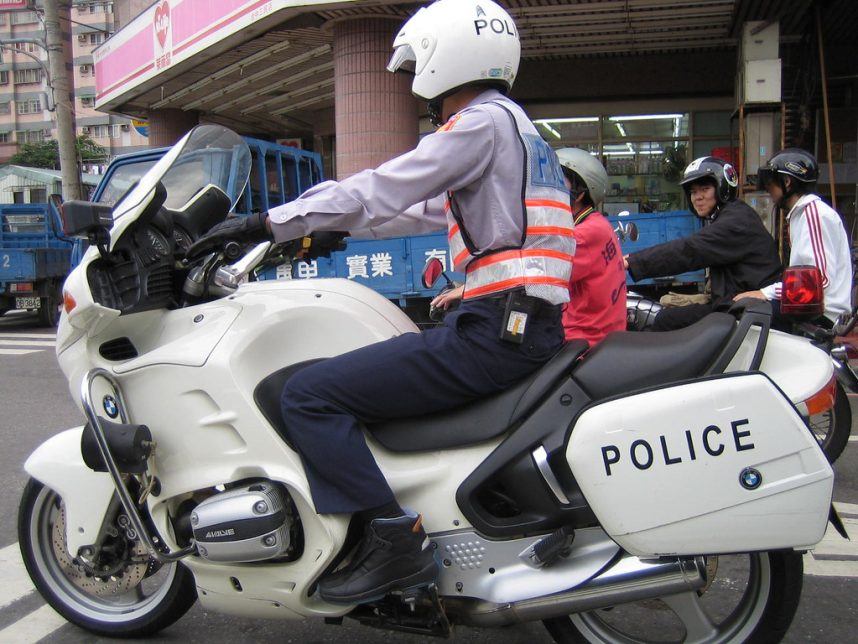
223 73
291 80
328 96
247 80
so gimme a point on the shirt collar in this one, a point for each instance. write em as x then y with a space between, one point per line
801 203
486 96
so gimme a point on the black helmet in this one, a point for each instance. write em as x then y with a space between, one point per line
718 172
793 162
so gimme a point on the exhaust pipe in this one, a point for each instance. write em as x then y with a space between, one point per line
629 580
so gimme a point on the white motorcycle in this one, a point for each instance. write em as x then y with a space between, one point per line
676 469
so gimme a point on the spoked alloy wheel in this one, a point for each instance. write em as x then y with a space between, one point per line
134 597
752 598
832 428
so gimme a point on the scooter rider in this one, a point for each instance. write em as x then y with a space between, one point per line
816 233
597 290
733 243
510 232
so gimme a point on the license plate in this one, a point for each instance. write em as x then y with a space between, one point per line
27 302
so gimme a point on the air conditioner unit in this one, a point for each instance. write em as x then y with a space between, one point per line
84 130
81 38
125 127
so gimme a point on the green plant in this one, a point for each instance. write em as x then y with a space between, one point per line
674 162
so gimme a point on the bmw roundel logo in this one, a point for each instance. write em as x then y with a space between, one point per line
110 406
750 479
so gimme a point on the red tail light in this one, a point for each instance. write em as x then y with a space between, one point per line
802 293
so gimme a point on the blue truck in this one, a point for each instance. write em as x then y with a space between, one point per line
34 259
392 266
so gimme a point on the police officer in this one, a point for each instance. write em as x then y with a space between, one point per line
508 218
733 244
816 233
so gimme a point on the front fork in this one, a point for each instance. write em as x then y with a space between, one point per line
844 372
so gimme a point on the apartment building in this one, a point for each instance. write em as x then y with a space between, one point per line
25 93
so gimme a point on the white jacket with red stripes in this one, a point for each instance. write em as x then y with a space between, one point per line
818 238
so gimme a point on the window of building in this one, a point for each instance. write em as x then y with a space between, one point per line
96 38
98 131
4 78
116 130
5 137
17 196
23 17
23 76
85 70
32 106
87 101
38 195
639 151
5 108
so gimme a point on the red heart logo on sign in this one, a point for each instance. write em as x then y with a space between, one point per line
162 22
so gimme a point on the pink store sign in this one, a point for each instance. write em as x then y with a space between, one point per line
169 32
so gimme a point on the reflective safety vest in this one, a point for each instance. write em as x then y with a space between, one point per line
542 264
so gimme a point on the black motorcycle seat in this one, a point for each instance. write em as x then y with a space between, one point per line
625 362
480 420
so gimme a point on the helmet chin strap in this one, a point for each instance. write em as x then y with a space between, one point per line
435 115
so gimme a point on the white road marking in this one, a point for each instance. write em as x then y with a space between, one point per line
18 352
35 626
37 336
833 546
853 439
30 343
14 581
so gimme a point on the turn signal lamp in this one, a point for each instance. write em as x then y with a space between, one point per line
822 400
802 294
68 302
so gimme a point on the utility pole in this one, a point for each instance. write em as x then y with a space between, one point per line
58 42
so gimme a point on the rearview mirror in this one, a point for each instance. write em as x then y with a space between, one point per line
85 219
432 270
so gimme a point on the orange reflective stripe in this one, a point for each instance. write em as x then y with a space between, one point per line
494 258
449 124
460 257
504 285
549 230
547 203
454 230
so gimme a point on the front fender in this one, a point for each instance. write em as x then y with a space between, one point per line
57 463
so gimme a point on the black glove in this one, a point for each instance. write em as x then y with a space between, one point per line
323 243
249 229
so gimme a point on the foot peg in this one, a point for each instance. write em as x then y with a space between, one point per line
549 549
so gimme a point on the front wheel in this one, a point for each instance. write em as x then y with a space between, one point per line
133 597
833 427
749 598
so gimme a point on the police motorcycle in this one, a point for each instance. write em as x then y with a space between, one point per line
830 417
674 477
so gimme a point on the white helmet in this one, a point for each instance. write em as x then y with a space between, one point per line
452 43
588 167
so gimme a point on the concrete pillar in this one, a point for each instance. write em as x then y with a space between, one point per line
376 114
169 125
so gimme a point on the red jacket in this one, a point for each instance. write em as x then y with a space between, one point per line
597 289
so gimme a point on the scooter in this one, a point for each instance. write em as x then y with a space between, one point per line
678 470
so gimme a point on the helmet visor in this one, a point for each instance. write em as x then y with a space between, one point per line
403 60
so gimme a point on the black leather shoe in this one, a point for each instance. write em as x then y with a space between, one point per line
394 555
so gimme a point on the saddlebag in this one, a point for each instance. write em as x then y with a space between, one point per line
715 465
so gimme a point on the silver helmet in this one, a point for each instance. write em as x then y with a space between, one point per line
589 169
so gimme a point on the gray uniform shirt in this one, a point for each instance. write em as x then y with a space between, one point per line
480 157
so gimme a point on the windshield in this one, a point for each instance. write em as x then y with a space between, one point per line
207 155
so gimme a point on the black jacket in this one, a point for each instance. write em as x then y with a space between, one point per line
734 245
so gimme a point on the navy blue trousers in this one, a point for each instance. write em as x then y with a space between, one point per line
410 375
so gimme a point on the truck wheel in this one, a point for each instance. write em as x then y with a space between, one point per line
49 312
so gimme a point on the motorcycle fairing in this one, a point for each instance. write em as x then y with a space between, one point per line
57 463
718 465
